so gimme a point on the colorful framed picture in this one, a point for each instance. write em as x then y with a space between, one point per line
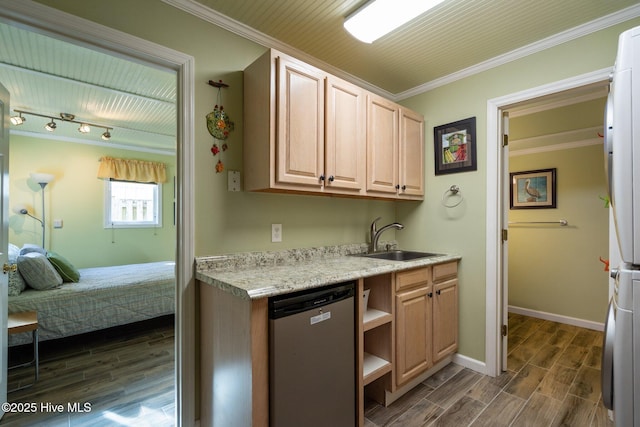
533 189
455 146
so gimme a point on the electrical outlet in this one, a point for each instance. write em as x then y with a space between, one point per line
276 233
233 183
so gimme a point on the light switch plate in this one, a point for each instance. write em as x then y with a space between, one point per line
276 233
57 223
233 178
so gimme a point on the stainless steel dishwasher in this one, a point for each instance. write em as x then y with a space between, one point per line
312 358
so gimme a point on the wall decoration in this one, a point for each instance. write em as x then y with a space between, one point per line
455 146
533 189
219 125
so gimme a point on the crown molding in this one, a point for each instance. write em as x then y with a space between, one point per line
602 23
203 12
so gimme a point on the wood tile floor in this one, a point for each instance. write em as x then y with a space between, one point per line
553 379
126 374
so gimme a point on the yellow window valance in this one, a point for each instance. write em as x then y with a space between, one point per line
132 170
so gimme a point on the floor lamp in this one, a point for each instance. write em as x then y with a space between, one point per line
42 179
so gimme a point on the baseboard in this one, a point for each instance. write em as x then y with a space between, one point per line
473 364
588 324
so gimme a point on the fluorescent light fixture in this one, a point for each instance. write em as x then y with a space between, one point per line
379 17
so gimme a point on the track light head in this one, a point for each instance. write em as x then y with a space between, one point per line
106 135
17 120
51 126
84 128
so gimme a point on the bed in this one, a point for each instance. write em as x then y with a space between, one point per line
103 297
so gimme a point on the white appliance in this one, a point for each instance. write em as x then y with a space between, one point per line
621 347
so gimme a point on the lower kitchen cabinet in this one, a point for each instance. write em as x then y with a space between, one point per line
426 319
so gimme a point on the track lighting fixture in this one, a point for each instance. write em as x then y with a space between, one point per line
85 127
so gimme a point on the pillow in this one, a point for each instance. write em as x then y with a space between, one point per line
13 253
66 270
28 247
38 271
16 282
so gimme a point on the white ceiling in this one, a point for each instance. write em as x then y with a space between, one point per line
49 76
452 38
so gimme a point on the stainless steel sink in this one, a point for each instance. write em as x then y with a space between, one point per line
400 255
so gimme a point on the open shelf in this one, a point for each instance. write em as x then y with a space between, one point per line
373 318
374 367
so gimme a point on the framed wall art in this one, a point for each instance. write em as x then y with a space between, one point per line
533 189
455 146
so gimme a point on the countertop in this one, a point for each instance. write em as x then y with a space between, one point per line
254 275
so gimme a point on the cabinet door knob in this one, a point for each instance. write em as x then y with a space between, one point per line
331 178
438 292
321 177
397 186
430 294
404 187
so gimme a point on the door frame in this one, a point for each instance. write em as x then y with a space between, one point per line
496 176
55 23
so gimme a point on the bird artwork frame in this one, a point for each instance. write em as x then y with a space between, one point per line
455 147
535 189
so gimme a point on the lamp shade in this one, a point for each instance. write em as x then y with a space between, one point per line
41 178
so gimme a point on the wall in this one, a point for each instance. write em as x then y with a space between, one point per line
228 222
556 269
77 197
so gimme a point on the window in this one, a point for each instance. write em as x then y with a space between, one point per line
132 204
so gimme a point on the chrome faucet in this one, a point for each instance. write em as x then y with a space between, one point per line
375 233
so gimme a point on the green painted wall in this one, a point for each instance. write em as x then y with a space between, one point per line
556 269
227 222
77 197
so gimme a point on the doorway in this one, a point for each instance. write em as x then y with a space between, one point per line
58 24
498 206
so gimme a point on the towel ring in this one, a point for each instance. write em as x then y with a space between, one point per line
454 190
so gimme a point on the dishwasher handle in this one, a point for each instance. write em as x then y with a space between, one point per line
287 305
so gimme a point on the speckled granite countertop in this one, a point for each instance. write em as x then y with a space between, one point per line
256 275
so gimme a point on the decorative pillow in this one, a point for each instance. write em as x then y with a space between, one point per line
29 247
38 271
16 282
66 270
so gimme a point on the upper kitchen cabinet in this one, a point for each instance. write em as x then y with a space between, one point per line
345 138
395 153
304 129
308 131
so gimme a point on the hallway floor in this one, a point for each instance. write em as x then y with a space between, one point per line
553 379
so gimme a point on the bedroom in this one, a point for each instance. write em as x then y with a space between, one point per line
75 199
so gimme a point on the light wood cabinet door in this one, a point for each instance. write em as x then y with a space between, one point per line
300 123
411 154
445 319
345 138
382 145
413 333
